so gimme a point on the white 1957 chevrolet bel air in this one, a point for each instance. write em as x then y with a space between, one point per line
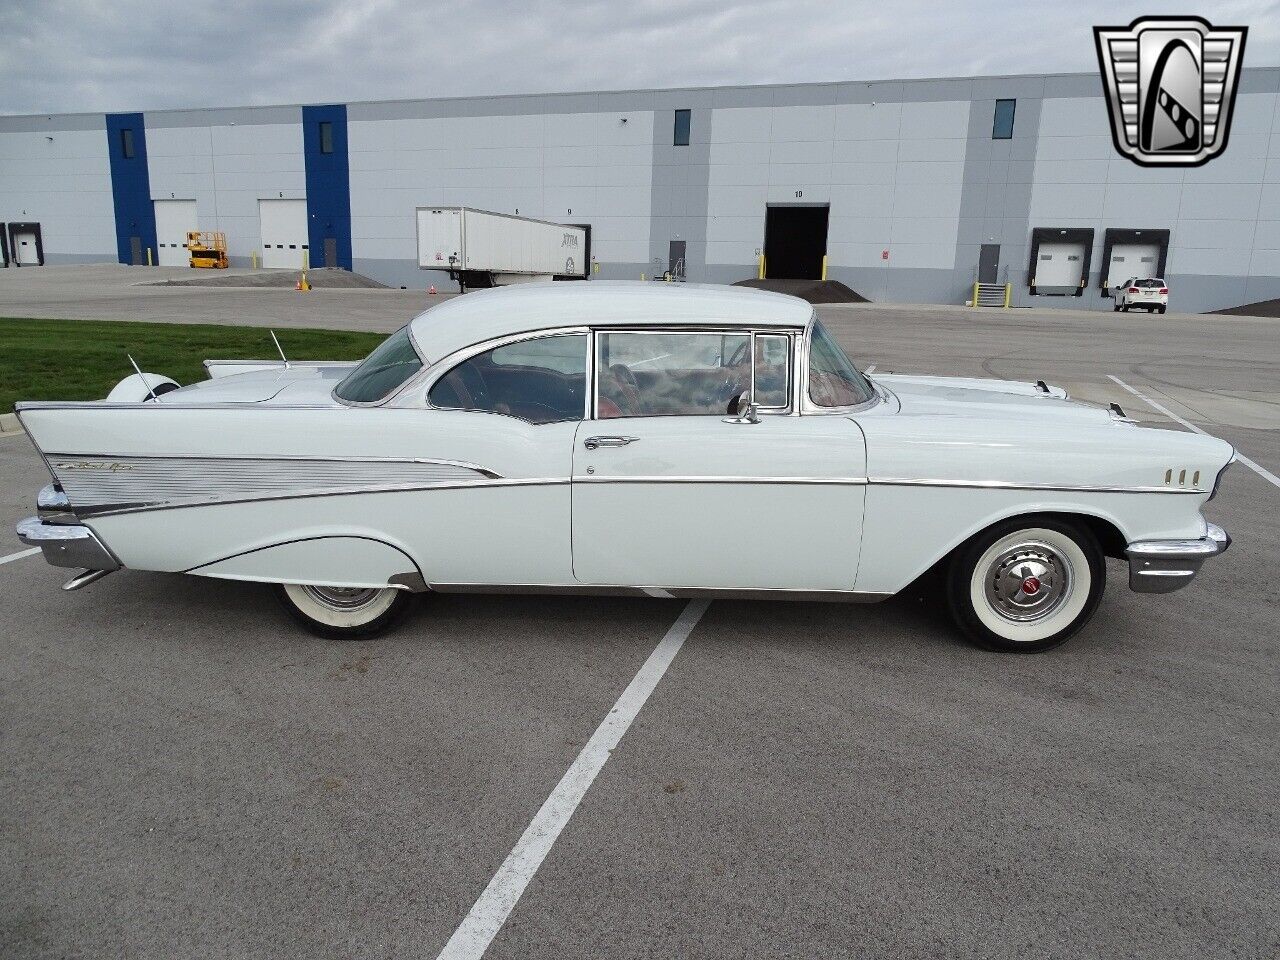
664 439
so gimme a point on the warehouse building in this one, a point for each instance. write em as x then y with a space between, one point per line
907 191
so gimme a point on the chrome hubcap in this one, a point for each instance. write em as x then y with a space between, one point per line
342 598
1028 581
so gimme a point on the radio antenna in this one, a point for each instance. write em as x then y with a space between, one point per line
142 377
281 349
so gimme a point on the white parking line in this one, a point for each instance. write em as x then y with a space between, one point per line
473 936
870 369
1260 470
19 555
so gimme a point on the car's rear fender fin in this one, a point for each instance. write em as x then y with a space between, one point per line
333 561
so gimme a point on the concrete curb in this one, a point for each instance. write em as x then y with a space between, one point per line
9 425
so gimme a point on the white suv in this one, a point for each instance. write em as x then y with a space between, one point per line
1150 294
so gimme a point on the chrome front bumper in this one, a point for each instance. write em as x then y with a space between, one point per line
67 544
1162 566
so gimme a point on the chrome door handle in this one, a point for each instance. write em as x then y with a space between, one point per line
591 443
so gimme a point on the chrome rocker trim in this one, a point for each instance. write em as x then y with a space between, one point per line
1162 566
67 544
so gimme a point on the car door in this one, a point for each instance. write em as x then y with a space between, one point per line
511 409
671 490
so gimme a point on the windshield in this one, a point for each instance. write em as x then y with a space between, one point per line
833 379
391 364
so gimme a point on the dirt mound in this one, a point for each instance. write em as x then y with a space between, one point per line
815 291
1263 308
322 279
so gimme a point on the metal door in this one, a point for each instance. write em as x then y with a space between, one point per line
331 252
989 263
135 251
675 259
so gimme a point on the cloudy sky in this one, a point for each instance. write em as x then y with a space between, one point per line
103 55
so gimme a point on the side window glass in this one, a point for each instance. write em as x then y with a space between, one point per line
671 374
772 386
541 380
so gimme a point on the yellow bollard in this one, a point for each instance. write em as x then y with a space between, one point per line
642 276
975 294
149 263
306 259
824 266
253 258
760 268
1008 295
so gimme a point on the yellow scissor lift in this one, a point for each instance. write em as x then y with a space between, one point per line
208 249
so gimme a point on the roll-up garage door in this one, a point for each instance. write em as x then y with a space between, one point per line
284 232
174 220
1132 260
26 249
1059 268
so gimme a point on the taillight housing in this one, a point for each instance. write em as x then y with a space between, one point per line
1133 289
1164 289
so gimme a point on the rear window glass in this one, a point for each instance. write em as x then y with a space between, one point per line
391 364
1149 282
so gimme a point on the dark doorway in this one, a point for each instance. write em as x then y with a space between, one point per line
795 241
135 251
989 263
675 259
331 252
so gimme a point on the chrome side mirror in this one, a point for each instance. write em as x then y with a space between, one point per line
743 409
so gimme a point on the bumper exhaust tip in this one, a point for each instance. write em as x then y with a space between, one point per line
84 578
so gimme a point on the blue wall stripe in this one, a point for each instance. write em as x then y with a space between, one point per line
131 186
328 184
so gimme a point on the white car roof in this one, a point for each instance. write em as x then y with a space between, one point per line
527 307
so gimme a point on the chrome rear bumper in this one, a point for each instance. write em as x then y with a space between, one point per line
67 544
1162 566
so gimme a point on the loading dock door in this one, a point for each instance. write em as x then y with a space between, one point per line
174 220
283 226
1059 268
1132 260
795 242
25 250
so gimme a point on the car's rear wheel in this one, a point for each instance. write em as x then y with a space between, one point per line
344 613
1026 585
1161 309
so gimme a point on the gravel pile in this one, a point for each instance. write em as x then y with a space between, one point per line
1263 308
815 291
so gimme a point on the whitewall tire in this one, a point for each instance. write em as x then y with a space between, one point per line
1026 585
344 613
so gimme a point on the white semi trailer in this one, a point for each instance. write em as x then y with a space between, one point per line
482 249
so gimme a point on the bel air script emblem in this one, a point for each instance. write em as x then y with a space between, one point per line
100 465
1171 87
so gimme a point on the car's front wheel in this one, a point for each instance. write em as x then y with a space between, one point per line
1026 585
344 613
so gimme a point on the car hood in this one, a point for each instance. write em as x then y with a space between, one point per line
291 386
974 398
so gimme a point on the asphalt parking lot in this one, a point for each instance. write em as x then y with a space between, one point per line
185 773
